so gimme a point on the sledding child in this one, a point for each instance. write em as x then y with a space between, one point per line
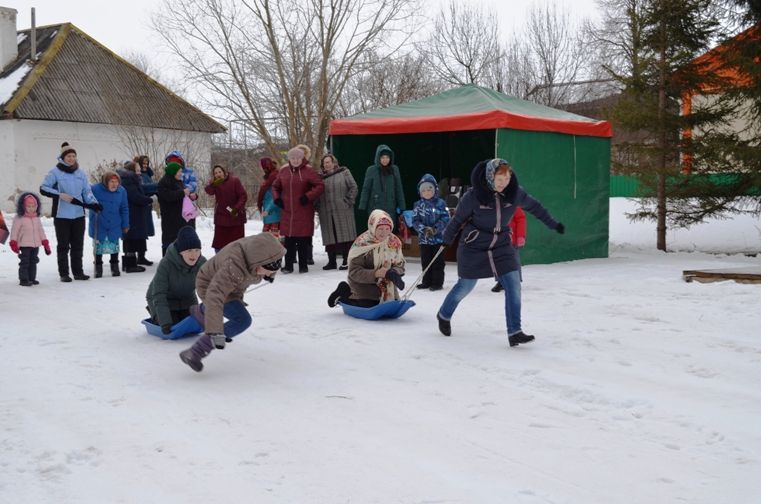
376 266
107 226
485 249
221 285
430 217
171 294
27 236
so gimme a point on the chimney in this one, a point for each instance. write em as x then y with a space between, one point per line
8 38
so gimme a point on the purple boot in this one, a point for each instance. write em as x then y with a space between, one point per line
193 355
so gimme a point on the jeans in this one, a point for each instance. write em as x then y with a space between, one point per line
510 281
238 318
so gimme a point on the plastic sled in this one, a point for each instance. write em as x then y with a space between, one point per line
182 329
389 309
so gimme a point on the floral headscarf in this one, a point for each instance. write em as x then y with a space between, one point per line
388 251
491 168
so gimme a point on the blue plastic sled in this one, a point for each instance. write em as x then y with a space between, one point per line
182 329
389 309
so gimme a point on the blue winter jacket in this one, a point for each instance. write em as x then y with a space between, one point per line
485 249
115 214
430 213
69 180
273 211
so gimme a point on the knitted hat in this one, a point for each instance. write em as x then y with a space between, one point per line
172 168
426 186
107 176
175 157
273 266
187 239
267 165
66 149
296 152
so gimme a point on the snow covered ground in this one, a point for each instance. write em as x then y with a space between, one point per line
640 388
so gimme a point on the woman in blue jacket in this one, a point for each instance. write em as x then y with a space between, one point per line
71 194
485 249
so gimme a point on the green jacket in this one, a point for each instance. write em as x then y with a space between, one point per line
173 286
381 190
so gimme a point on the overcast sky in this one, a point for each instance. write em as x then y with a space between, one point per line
123 26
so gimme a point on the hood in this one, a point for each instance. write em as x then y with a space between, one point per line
260 249
483 192
382 148
175 155
429 178
20 210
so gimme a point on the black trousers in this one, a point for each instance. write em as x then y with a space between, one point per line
435 275
27 263
70 234
301 245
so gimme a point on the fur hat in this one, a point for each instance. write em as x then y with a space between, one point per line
107 176
172 168
187 239
66 149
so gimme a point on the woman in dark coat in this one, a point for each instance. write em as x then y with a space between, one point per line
149 189
336 210
230 209
485 250
171 191
382 187
296 188
135 239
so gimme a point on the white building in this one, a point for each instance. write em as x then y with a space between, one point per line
78 91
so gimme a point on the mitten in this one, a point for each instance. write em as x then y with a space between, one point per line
520 242
166 328
429 231
218 340
234 212
14 246
304 200
394 277
217 182
46 246
560 228
279 202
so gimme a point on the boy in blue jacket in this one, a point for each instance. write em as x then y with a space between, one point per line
430 217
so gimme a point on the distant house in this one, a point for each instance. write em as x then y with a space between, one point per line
77 90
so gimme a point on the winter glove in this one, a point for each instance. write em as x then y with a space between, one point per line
304 200
95 206
279 202
14 246
429 231
520 242
217 182
560 228
46 246
233 211
166 328
218 340
394 277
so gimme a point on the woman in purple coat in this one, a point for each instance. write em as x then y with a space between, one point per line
485 249
230 209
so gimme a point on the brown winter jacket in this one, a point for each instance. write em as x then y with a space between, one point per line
291 184
227 275
362 279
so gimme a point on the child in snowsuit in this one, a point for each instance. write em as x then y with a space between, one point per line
171 296
27 235
221 284
430 217
376 266
107 226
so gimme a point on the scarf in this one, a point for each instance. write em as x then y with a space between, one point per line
388 251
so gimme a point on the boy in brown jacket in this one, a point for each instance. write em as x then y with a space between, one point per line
221 284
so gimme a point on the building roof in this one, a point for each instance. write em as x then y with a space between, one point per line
465 108
77 79
722 60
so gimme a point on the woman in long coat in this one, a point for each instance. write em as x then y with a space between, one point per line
485 249
230 207
382 187
135 239
149 189
171 192
296 188
336 210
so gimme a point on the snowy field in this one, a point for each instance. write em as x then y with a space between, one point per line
640 388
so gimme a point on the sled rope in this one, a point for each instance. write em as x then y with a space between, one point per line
412 287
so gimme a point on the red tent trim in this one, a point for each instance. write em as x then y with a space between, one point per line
492 119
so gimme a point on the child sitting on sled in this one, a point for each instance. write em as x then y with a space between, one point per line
376 266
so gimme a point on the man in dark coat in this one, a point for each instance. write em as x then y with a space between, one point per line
485 250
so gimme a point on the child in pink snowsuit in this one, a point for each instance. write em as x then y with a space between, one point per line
27 236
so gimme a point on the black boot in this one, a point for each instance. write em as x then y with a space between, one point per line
142 260
445 327
193 355
331 262
130 264
343 291
519 338
344 266
497 287
114 263
98 270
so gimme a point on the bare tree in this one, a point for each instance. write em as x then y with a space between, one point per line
464 45
387 82
280 67
143 63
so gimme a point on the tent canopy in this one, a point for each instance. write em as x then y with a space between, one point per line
467 108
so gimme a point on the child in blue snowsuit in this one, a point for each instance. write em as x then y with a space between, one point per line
430 217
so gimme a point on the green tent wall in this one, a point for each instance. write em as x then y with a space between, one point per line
560 158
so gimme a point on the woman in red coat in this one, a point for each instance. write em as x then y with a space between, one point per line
230 209
296 188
